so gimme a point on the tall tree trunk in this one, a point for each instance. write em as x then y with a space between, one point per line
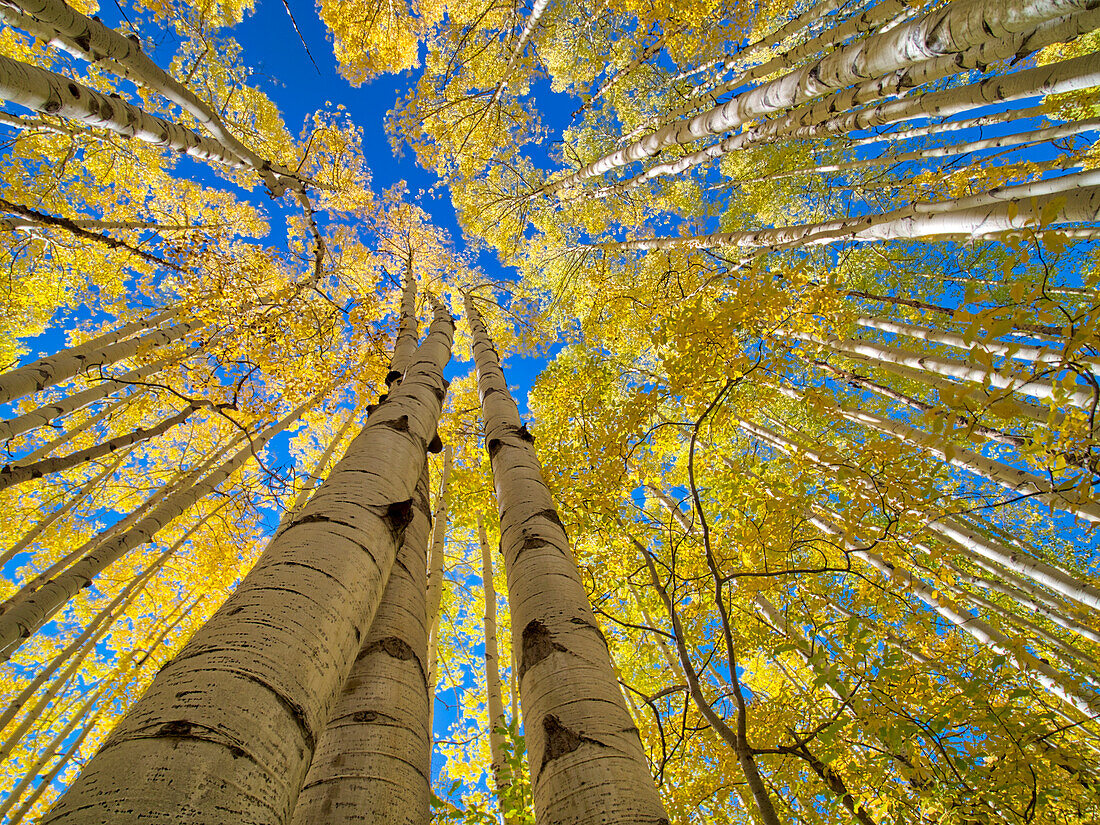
494 699
373 759
71 403
46 372
228 728
12 474
30 611
586 756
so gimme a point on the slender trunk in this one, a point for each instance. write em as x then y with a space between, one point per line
821 120
46 372
174 485
999 212
28 613
1055 682
71 403
943 32
1011 478
89 39
71 503
575 716
537 8
1017 350
436 567
90 636
971 371
863 382
229 726
71 433
957 534
494 700
372 760
12 474
1020 139
54 94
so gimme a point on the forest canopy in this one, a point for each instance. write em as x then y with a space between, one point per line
648 413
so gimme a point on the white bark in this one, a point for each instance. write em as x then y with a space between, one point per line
71 433
227 728
493 695
1017 350
537 8
943 32
372 761
953 530
71 503
90 40
1000 212
54 94
1056 683
11 474
26 614
586 756
948 368
46 372
71 403
435 576
822 121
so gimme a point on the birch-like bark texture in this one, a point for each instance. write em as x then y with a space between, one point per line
89 39
227 729
46 372
26 614
53 94
435 576
1004 213
493 698
12 474
75 430
537 8
952 29
372 763
586 756
71 403
830 116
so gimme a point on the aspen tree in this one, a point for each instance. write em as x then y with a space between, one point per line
493 696
242 705
586 756
372 760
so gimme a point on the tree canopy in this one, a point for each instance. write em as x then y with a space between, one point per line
803 303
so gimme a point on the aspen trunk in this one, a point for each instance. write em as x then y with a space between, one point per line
822 120
958 534
89 39
12 474
372 761
77 429
537 8
998 214
586 757
435 578
46 372
29 612
1017 350
944 32
494 699
54 94
1055 682
71 403
228 727
71 503
971 371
